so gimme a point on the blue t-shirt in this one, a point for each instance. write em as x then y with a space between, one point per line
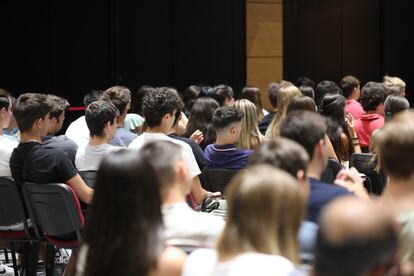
320 195
122 137
225 157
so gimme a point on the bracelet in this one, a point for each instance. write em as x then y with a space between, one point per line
354 138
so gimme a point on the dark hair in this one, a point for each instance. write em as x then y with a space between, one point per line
98 114
304 81
200 118
252 93
137 98
395 104
59 106
4 99
223 92
348 84
94 95
125 214
307 91
325 87
304 127
207 91
372 95
281 153
188 96
29 107
161 101
120 96
301 103
333 108
224 116
274 90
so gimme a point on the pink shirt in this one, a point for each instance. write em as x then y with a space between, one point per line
355 108
366 125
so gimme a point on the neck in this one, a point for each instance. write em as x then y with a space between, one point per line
120 121
397 188
98 140
173 195
158 129
223 140
30 137
315 169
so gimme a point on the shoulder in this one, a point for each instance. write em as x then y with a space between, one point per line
200 262
328 189
171 262
264 264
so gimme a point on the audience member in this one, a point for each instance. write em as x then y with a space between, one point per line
224 95
301 103
223 153
350 87
304 81
124 232
393 105
183 226
188 96
323 88
307 91
12 131
260 236
252 93
134 121
250 136
395 82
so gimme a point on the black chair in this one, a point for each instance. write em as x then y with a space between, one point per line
216 180
332 169
365 163
89 177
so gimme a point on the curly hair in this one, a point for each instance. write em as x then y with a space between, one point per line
372 95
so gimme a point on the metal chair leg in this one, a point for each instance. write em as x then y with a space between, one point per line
13 252
6 255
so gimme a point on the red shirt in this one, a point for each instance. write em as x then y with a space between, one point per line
355 108
366 125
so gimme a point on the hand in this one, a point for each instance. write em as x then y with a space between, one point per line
352 181
197 136
350 122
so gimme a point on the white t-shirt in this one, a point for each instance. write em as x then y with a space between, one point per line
188 153
6 148
78 132
88 158
203 262
184 226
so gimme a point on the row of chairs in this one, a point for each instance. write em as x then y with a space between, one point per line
49 213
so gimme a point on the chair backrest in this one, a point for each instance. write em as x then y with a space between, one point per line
89 177
53 208
332 169
217 179
365 163
11 203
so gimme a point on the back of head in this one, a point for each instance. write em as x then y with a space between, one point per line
395 104
304 81
372 95
59 106
307 91
29 107
396 82
225 116
137 98
348 84
160 101
222 93
325 87
189 95
251 93
98 114
257 219
207 91
333 106
249 128
301 103
94 95
304 127
273 91
355 238
4 99
120 96
127 179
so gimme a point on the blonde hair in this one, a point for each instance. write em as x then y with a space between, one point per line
249 129
285 95
265 210
394 82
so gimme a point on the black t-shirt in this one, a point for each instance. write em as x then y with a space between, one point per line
197 151
62 142
37 163
266 121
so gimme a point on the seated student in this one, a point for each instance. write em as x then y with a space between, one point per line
260 235
121 97
100 117
223 154
224 95
183 226
12 131
350 87
34 162
161 108
309 130
78 131
57 116
124 233
6 145
356 238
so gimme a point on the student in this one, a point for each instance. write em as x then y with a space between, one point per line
223 154
252 93
323 88
183 226
350 87
250 136
224 95
394 105
124 233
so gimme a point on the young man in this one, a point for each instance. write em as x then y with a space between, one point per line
34 162
121 97
350 87
57 116
183 226
161 108
101 119
7 145
223 154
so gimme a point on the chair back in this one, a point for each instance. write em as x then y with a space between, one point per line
89 177
365 163
216 180
11 203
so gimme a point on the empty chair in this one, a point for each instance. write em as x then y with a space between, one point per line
365 163
216 180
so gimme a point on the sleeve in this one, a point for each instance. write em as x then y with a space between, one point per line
65 168
191 161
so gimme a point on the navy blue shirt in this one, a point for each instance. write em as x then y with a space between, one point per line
225 157
265 122
320 195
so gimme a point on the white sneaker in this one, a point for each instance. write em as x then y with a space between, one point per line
5 270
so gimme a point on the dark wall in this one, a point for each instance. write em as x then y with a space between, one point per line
70 47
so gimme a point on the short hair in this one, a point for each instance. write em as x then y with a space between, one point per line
395 145
98 114
165 166
395 104
29 107
224 116
372 95
325 87
348 84
137 98
281 153
274 90
161 101
304 127
223 92
304 81
4 99
301 103
307 91
59 106
395 81
207 91
188 96
120 96
94 95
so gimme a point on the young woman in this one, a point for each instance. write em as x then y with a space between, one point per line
252 93
250 136
124 231
260 236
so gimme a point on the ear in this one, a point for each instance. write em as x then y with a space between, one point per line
3 111
300 175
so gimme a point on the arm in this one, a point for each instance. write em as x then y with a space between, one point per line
198 192
84 193
349 120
